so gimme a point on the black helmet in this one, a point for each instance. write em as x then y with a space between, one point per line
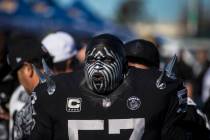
142 51
109 41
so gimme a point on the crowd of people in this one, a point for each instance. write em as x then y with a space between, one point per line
107 89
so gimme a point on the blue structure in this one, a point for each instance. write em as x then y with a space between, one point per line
41 17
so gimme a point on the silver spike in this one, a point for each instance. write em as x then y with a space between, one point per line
51 86
46 77
42 77
47 70
160 84
170 68
48 73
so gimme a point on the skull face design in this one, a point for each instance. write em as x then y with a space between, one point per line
103 70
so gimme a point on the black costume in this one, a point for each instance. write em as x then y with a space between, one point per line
110 103
74 111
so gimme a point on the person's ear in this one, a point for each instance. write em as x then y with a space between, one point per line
68 66
28 69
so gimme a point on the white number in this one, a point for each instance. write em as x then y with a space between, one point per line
115 125
138 125
75 125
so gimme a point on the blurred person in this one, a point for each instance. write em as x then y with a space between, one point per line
184 71
206 109
4 115
206 87
159 42
205 97
81 52
5 91
142 54
199 69
4 68
24 50
62 48
109 101
7 85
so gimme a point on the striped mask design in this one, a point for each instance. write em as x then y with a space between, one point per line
103 70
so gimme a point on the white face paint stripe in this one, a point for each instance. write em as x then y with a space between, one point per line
92 52
98 54
107 78
108 53
113 72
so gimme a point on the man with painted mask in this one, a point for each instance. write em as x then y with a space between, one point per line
109 101
105 65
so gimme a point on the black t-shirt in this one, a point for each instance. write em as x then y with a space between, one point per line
136 110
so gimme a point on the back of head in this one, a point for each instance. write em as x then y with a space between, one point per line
142 52
60 45
105 63
62 48
25 50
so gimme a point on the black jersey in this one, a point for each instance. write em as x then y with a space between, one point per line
136 110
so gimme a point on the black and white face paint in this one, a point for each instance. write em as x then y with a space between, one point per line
103 70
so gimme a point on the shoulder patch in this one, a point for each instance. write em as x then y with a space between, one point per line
133 103
73 104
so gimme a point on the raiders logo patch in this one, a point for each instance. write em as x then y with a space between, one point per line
73 104
133 103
